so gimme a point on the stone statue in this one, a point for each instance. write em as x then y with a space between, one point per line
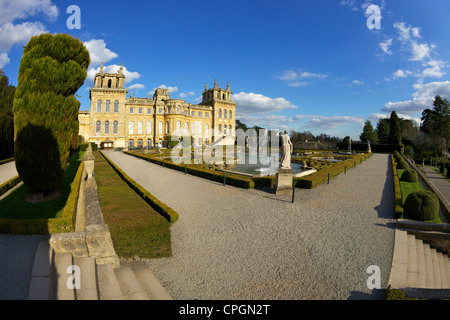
286 151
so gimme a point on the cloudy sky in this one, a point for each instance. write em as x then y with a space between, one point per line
325 66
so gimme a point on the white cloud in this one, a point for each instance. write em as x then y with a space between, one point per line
333 122
296 78
4 60
98 52
258 103
11 34
358 82
163 86
401 73
434 69
184 95
420 51
385 46
406 33
136 86
423 98
11 10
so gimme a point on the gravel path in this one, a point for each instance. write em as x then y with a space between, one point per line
7 172
231 243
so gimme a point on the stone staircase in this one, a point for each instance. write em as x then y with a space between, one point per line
418 268
52 279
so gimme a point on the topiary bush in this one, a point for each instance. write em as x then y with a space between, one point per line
422 205
402 164
52 69
409 175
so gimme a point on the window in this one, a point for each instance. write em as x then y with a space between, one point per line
160 111
160 128
206 129
98 127
167 127
186 128
99 106
140 143
199 141
131 110
149 143
185 112
141 111
223 97
108 106
220 113
131 144
178 127
109 83
140 127
220 129
106 127
224 114
225 130
199 128
207 115
193 114
178 109
116 106
149 110
131 128
149 127
207 142
116 127
231 114
200 114
230 130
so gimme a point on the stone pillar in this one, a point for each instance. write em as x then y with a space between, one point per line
284 180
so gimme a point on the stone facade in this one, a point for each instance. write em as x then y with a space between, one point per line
118 121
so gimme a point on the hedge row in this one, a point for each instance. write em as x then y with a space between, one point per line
398 200
230 179
6 161
9 185
48 226
321 176
167 212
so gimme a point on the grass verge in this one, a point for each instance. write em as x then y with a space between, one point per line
136 228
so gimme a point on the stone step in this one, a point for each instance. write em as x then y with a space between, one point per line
129 284
40 283
436 269
444 281
109 287
148 281
88 276
397 278
428 266
411 274
60 284
421 265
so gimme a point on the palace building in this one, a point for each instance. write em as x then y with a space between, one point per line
115 121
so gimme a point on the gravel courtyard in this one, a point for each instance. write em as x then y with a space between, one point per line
231 243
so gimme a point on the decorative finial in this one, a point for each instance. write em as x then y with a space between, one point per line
121 69
206 86
215 83
228 85
101 68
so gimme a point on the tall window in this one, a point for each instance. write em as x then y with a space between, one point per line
206 129
140 130
225 130
220 113
141 110
186 128
160 128
199 128
231 130
106 127
149 127
131 128
98 127
116 127
220 129
178 109
178 127
99 106
224 114
231 114
108 106
116 106
167 127
131 110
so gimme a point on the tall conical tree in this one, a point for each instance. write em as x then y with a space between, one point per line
395 132
6 117
52 69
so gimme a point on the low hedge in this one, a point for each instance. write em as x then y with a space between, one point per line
402 164
9 185
167 212
398 200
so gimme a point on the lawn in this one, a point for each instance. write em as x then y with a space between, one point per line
136 228
14 205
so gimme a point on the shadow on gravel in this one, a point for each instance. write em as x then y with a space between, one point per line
385 209
377 294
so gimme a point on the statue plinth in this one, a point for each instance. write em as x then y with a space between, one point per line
283 182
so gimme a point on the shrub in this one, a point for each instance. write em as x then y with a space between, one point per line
402 164
422 205
52 69
409 175
396 155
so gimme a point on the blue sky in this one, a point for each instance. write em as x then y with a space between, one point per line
302 65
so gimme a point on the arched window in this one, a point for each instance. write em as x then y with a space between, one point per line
199 141
149 143
199 128
225 130
231 130
140 143
220 113
231 114
131 144
116 127
186 128
131 128
178 127
109 83
99 106
108 106
106 127
140 130
224 114
167 127
116 106
98 127
220 129
160 128
149 127
223 97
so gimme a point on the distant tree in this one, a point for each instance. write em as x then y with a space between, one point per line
368 134
240 125
436 121
347 140
383 130
52 69
6 117
409 130
395 132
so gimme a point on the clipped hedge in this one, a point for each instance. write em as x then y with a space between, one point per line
167 212
409 175
9 185
402 164
398 200
422 205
